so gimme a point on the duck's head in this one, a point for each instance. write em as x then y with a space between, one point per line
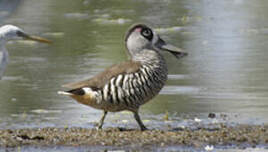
141 37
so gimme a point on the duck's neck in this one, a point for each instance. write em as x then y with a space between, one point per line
148 56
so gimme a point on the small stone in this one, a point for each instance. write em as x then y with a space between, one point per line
209 148
197 120
211 115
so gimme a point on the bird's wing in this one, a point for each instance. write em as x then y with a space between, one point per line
98 81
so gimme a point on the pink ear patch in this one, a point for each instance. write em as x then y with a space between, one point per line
138 29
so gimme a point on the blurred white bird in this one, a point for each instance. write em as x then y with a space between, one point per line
11 32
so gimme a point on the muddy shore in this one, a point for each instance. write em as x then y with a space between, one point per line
240 135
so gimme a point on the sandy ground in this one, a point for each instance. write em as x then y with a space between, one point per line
241 136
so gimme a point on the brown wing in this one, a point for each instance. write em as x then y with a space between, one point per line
101 79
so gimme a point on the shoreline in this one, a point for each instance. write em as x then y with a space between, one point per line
242 136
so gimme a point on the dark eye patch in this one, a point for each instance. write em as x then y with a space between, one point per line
147 33
138 27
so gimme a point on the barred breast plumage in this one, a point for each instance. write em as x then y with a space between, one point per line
128 85
130 90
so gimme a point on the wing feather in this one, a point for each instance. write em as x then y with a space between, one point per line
98 81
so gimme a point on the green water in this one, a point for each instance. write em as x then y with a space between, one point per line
225 72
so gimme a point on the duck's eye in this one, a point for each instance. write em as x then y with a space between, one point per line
147 33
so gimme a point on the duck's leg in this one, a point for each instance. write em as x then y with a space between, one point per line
102 120
137 117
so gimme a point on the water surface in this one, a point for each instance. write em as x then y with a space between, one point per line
225 72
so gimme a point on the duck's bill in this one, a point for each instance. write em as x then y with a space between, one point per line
33 38
177 52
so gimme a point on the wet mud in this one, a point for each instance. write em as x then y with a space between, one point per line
241 136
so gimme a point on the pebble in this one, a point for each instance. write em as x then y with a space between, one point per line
211 115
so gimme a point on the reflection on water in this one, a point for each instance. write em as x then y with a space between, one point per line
225 71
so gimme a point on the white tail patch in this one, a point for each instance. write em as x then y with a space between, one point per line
64 93
88 90
89 93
